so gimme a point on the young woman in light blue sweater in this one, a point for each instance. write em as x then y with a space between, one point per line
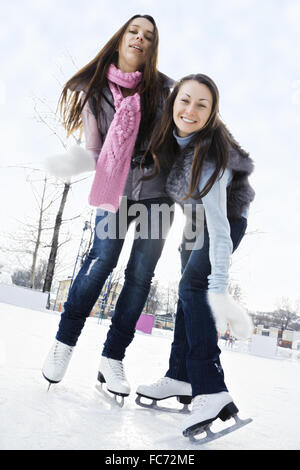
207 170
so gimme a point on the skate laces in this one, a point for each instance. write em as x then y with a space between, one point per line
199 402
118 369
61 353
161 381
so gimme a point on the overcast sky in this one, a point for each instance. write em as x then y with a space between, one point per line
251 50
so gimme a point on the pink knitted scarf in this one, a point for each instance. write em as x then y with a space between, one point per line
114 160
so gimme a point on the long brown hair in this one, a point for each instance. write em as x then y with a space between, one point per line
92 77
213 140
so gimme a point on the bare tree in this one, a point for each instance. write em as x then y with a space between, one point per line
170 298
54 243
153 300
31 242
235 291
34 240
22 277
110 291
285 314
88 243
47 116
39 233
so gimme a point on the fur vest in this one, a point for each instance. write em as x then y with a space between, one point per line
239 193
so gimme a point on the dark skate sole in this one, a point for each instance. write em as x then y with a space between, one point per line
102 380
227 412
50 381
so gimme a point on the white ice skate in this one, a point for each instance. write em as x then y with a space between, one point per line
205 410
56 362
162 389
112 373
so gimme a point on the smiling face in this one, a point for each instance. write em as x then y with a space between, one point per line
192 107
135 45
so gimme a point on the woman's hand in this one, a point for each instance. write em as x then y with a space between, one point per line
226 310
75 161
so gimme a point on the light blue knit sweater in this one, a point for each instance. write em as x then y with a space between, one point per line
215 208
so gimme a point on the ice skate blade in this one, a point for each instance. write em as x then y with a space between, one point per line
50 382
212 436
101 380
154 406
111 396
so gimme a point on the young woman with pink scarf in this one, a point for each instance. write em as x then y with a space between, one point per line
118 97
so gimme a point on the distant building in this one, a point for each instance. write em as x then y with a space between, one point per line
285 339
104 305
62 294
164 321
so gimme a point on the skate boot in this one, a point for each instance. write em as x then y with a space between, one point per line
112 373
206 409
165 388
56 362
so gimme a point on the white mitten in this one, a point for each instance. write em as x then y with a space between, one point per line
75 161
226 310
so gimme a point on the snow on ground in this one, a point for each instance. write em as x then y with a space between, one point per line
74 415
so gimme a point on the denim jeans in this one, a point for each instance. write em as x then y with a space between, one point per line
195 353
100 262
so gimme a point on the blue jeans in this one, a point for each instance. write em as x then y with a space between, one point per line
100 262
195 353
